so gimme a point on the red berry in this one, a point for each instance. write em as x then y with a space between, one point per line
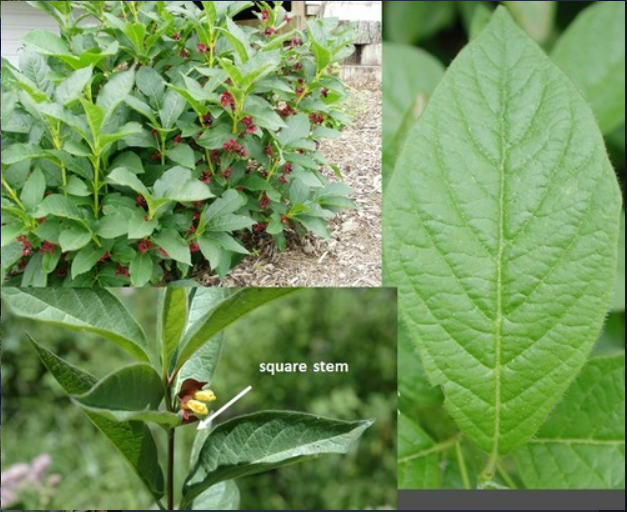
185 53
178 139
248 121
196 216
260 227
163 252
194 247
269 151
296 42
324 92
227 99
105 257
122 271
288 168
265 15
202 48
140 201
206 177
227 173
144 246
284 180
265 201
207 119
300 91
285 219
156 156
177 36
269 31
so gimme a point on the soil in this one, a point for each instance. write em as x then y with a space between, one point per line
352 257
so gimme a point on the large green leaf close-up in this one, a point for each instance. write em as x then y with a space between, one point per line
260 442
582 444
133 439
502 223
96 311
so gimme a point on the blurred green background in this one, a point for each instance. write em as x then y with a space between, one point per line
335 325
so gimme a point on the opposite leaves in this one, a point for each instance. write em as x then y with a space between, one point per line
502 223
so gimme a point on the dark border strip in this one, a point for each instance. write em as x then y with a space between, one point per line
511 500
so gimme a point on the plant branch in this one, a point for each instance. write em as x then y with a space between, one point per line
462 465
170 490
12 193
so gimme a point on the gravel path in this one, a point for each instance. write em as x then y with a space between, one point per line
352 258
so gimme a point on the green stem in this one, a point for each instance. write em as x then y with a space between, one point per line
160 505
462 465
506 477
163 140
97 186
171 446
13 194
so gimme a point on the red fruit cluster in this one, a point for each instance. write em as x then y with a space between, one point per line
27 247
296 41
227 100
178 139
288 168
283 179
215 156
258 228
105 257
287 111
185 53
140 201
316 118
122 271
156 156
144 246
207 120
265 201
250 125
233 147
324 92
298 67
202 48
269 31
48 247
227 174
265 15
194 247
177 36
269 151
205 177
300 91
285 219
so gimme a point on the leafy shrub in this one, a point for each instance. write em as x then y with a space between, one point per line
502 219
152 136
168 386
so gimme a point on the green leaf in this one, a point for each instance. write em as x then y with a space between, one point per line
34 274
619 287
136 32
10 232
230 202
124 132
177 184
231 223
141 107
141 270
126 178
172 322
418 457
503 292
34 189
96 311
59 206
19 152
182 154
219 316
173 107
74 238
410 22
203 365
134 440
592 53
536 18
172 243
138 227
11 255
224 496
151 83
73 86
409 85
45 43
582 444
298 128
86 259
130 394
114 92
238 39
260 442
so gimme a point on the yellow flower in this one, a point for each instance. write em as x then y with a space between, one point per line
197 407
205 396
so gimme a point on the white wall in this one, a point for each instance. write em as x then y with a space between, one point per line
17 19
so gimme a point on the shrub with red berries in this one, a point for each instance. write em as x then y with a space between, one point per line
169 149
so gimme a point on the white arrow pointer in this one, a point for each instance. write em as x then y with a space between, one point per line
203 425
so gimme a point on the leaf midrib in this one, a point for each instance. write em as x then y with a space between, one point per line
583 441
